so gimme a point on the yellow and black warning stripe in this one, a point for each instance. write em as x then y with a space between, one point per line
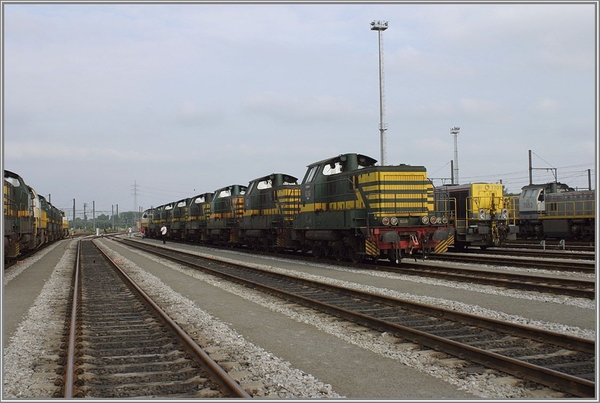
442 246
371 248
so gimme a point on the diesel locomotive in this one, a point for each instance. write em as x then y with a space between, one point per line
346 207
30 221
555 210
480 214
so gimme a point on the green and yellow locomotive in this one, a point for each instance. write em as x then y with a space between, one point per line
351 208
30 220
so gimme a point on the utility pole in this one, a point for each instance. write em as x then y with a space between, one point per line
381 26
135 193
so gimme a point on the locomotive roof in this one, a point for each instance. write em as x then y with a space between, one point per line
362 159
463 186
559 186
10 174
286 177
231 187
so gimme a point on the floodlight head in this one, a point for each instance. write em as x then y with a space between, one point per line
379 25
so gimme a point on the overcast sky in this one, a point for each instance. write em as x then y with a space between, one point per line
152 103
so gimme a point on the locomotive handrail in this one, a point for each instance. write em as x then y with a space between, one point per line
568 208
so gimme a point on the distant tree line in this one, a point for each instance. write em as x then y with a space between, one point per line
104 221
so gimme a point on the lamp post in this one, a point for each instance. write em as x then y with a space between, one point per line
454 131
381 26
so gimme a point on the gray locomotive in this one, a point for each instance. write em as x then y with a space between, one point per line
555 210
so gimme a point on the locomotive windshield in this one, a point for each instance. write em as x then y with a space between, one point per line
13 181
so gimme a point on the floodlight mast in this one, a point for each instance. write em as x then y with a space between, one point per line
454 131
381 26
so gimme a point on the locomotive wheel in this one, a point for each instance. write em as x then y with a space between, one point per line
339 253
355 256
394 255
318 251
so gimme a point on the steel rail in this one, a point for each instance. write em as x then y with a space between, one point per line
220 375
70 376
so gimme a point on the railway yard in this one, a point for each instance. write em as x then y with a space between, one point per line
505 323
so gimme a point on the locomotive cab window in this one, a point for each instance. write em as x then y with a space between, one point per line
311 174
332 169
265 184
13 181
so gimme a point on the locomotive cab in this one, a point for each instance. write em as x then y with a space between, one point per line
178 220
197 218
531 200
146 223
270 205
226 212
19 221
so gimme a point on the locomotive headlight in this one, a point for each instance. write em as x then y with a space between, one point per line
425 220
385 221
394 220
504 214
444 220
482 214
432 219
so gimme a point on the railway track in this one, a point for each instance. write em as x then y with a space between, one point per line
551 244
514 261
122 345
558 361
579 288
558 285
553 254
